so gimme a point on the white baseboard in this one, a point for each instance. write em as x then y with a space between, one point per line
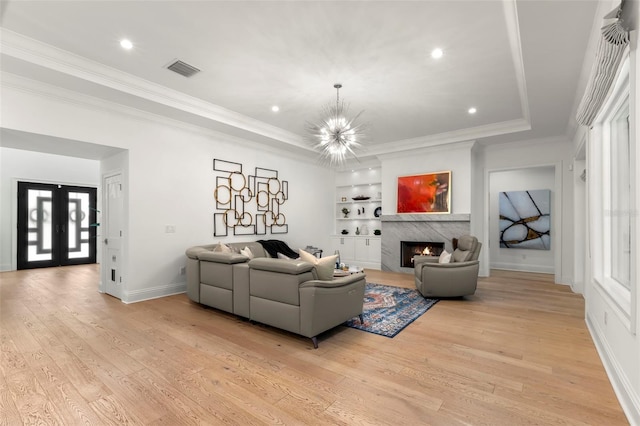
153 292
627 396
543 269
6 267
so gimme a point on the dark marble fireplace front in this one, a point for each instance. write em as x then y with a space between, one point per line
408 249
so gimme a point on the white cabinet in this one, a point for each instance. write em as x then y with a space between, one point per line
346 247
368 249
360 251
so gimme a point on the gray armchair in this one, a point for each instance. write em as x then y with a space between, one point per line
455 279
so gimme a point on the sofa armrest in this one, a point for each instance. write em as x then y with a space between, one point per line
451 274
449 279
219 257
424 259
336 282
326 304
452 265
194 252
283 266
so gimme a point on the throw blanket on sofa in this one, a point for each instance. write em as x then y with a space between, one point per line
273 247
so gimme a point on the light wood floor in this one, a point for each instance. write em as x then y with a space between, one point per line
516 353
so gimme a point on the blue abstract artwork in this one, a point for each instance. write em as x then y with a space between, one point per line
525 219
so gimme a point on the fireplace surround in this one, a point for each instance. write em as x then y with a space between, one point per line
422 227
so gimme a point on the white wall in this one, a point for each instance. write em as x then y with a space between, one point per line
518 259
171 182
27 166
456 158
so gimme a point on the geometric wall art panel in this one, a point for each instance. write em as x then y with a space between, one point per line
525 219
248 204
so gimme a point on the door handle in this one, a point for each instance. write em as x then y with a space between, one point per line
106 241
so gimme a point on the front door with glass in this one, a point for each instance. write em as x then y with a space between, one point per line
56 225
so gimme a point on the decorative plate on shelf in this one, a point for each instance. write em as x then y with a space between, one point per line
360 198
377 212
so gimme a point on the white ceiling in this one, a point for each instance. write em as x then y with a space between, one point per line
519 63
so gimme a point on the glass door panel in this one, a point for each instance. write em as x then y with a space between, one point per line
40 229
78 225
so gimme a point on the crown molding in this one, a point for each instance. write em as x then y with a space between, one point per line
45 90
471 133
551 140
426 150
38 53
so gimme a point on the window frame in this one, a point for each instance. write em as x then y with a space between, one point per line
600 178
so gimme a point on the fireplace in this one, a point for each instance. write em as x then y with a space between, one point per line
408 249
424 227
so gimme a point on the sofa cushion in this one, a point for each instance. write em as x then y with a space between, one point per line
445 257
292 266
246 251
222 257
222 248
256 248
324 266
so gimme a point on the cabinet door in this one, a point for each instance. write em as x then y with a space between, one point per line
374 250
368 250
362 250
345 245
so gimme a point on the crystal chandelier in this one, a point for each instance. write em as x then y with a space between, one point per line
335 136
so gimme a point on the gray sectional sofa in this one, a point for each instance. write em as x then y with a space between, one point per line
283 293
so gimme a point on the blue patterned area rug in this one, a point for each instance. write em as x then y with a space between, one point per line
388 310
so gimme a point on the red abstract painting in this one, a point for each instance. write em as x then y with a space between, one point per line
428 193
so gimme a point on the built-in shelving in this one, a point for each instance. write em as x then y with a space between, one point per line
359 245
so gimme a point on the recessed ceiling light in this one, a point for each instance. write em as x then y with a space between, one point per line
437 53
275 108
126 44
472 110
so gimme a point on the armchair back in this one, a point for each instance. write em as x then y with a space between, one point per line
468 249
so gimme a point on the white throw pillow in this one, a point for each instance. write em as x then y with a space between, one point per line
324 265
283 256
222 248
445 257
246 251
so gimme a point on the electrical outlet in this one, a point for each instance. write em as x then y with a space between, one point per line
183 270
169 229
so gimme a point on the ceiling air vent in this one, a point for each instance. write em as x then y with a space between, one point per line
183 68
